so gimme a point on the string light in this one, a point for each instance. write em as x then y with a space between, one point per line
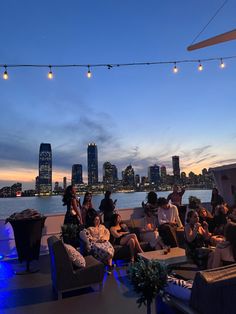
5 74
175 69
89 74
50 74
109 66
222 64
200 67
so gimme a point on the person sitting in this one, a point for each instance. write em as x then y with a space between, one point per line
216 199
220 218
225 252
107 206
168 219
99 237
151 205
149 231
197 236
123 237
205 215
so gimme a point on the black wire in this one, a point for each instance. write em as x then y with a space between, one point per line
218 10
112 65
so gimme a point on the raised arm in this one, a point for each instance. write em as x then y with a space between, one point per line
75 208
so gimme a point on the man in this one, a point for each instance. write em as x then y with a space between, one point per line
168 218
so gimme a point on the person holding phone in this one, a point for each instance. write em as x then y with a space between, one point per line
107 207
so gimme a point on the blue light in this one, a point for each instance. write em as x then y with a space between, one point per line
1 256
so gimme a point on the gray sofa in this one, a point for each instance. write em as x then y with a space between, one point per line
63 274
213 292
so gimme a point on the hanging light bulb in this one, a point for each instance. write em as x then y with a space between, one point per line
89 74
50 74
175 69
222 64
200 67
5 74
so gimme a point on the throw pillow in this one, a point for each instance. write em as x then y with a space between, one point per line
76 258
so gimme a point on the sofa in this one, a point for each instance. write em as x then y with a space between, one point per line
65 277
120 252
213 292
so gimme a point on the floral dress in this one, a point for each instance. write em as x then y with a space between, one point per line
101 248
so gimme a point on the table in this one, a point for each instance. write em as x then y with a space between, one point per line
174 257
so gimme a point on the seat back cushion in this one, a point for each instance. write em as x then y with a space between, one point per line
214 290
76 258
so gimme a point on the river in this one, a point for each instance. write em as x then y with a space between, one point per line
53 204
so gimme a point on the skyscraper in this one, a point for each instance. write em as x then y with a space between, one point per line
92 164
128 176
77 174
45 169
64 183
176 168
109 173
154 174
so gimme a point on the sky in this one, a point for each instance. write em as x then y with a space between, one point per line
138 115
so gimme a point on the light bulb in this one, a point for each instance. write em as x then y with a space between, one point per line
175 69
5 75
89 74
200 67
50 74
222 64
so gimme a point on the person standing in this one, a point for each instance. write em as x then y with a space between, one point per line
176 196
87 206
216 199
73 215
107 207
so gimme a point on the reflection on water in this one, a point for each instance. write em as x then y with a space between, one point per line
53 204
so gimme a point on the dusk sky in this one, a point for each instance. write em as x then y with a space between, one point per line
138 115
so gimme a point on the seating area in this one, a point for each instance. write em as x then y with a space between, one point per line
65 277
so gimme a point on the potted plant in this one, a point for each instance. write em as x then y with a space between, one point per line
69 234
148 278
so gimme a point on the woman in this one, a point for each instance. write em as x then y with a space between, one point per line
151 205
225 252
99 237
107 206
197 236
220 218
123 237
73 215
149 232
87 204
205 215
216 199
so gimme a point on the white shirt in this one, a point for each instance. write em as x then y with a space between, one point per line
169 215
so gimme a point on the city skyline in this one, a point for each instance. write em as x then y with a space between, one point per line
136 115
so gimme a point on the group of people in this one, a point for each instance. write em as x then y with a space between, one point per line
202 228
88 219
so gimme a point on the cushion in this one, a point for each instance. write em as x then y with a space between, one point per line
179 288
85 236
76 258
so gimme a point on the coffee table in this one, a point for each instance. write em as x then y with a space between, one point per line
174 257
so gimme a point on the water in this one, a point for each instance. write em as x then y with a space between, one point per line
53 204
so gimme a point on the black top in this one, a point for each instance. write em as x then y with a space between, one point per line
107 206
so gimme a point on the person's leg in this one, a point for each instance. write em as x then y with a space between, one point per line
131 244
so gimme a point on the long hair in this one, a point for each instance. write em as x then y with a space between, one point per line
230 235
114 218
107 195
189 215
85 197
68 194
